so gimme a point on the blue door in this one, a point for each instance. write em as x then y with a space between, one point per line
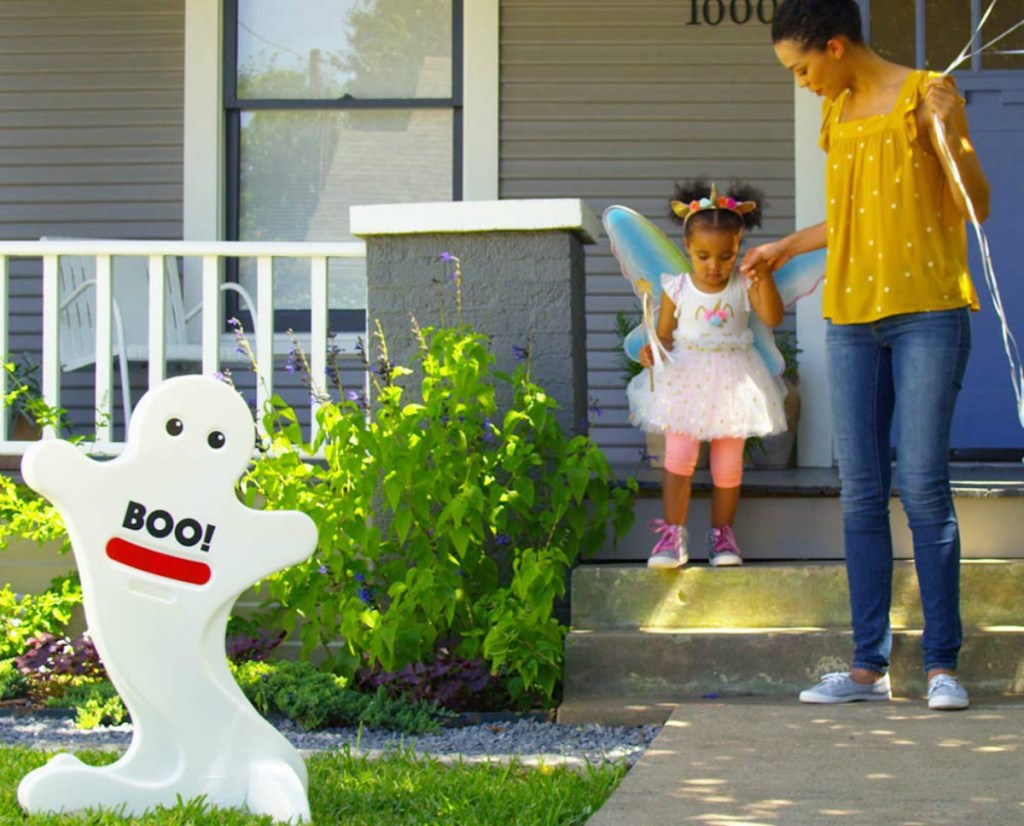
986 418
930 35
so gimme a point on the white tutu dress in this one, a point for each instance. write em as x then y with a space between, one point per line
714 384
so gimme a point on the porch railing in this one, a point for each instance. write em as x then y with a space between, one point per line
210 257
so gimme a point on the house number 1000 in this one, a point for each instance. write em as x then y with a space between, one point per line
713 12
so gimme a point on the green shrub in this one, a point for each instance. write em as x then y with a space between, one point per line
29 616
96 702
26 514
439 516
315 699
12 683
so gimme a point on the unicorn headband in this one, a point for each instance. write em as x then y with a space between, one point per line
713 201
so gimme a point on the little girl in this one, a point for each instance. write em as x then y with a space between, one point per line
712 386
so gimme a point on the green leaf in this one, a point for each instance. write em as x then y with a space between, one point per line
403 523
393 489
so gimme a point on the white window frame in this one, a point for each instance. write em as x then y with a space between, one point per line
204 172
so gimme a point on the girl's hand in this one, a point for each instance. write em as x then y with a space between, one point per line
646 356
764 295
761 270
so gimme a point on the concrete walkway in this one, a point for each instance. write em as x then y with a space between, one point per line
771 761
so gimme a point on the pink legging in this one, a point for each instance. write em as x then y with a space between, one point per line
726 458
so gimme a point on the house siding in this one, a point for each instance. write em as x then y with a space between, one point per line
91 118
91 146
613 102
91 126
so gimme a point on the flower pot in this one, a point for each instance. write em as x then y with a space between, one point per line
655 449
21 429
779 451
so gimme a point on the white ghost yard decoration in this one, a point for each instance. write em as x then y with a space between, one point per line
164 548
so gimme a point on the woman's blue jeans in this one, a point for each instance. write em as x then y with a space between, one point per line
914 363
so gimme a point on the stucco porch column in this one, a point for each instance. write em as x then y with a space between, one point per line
522 281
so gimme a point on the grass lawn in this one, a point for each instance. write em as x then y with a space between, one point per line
396 789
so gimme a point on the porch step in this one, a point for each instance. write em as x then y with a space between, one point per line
795 515
775 595
643 640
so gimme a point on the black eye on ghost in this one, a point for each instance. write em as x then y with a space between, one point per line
216 439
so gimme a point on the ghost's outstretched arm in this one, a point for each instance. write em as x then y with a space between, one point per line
271 541
58 471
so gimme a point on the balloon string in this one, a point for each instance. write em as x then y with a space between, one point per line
966 53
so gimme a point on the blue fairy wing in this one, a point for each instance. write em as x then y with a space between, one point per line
764 344
800 276
632 343
644 253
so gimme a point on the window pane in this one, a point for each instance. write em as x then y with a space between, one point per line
301 171
892 30
325 49
1004 16
947 31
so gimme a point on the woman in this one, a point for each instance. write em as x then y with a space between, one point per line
896 297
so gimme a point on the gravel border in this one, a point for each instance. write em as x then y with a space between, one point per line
526 739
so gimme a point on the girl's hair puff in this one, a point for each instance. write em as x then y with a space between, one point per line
724 220
812 23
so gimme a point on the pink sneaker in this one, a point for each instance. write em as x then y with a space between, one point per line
670 549
722 547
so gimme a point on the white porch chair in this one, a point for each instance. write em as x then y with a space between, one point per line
77 318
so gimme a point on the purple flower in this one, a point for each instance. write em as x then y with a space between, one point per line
488 434
365 595
447 257
322 569
594 406
502 539
359 578
359 397
521 353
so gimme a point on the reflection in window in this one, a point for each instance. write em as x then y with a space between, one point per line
301 171
1004 17
892 30
336 103
316 49
947 30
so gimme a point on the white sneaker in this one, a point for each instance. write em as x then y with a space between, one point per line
945 693
838 687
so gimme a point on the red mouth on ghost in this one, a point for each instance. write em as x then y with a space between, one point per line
157 563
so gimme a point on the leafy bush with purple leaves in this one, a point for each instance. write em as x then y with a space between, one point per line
50 664
453 682
248 642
